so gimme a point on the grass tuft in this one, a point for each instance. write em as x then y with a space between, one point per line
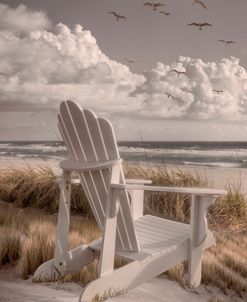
38 188
10 245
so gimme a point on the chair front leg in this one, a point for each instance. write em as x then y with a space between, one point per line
137 203
198 235
106 263
61 244
137 197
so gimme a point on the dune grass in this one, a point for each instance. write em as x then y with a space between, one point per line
38 188
228 212
27 234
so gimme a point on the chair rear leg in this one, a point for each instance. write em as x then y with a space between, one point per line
64 261
76 259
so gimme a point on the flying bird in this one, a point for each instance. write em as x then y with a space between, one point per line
170 95
129 61
148 4
165 13
118 17
154 5
226 42
200 25
218 91
199 2
179 72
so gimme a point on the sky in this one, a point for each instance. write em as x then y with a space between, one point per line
56 50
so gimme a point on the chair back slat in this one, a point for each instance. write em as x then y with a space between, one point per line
66 138
96 135
71 131
91 139
109 138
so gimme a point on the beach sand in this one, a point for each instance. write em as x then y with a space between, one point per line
160 289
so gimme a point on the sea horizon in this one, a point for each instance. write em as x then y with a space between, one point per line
225 154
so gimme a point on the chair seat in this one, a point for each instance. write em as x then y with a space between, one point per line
155 235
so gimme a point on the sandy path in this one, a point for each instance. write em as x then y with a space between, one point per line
21 291
14 289
158 290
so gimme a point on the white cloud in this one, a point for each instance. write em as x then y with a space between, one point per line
40 68
194 95
22 19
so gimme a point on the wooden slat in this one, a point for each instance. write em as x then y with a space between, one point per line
66 138
108 138
150 235
89 198
95 199
125 221
96 135
183 190
71 131
80 167
156 234
83 133
171 227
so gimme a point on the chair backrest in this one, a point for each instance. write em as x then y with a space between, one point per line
91 139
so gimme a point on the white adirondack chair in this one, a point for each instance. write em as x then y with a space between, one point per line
151 245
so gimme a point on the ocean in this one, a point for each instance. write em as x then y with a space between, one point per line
213 154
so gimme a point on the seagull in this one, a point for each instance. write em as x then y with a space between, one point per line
200 25
154 5
226 42
178 72
129 61
199 2
148 4
170 95
118 17
165 13
218 91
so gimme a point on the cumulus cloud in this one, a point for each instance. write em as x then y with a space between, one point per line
42 68
212 90
39 68
22 19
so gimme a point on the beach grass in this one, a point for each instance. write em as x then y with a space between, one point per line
32 196
38 188
227 212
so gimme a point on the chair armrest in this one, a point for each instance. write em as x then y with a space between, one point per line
184 190
133 181
71 165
